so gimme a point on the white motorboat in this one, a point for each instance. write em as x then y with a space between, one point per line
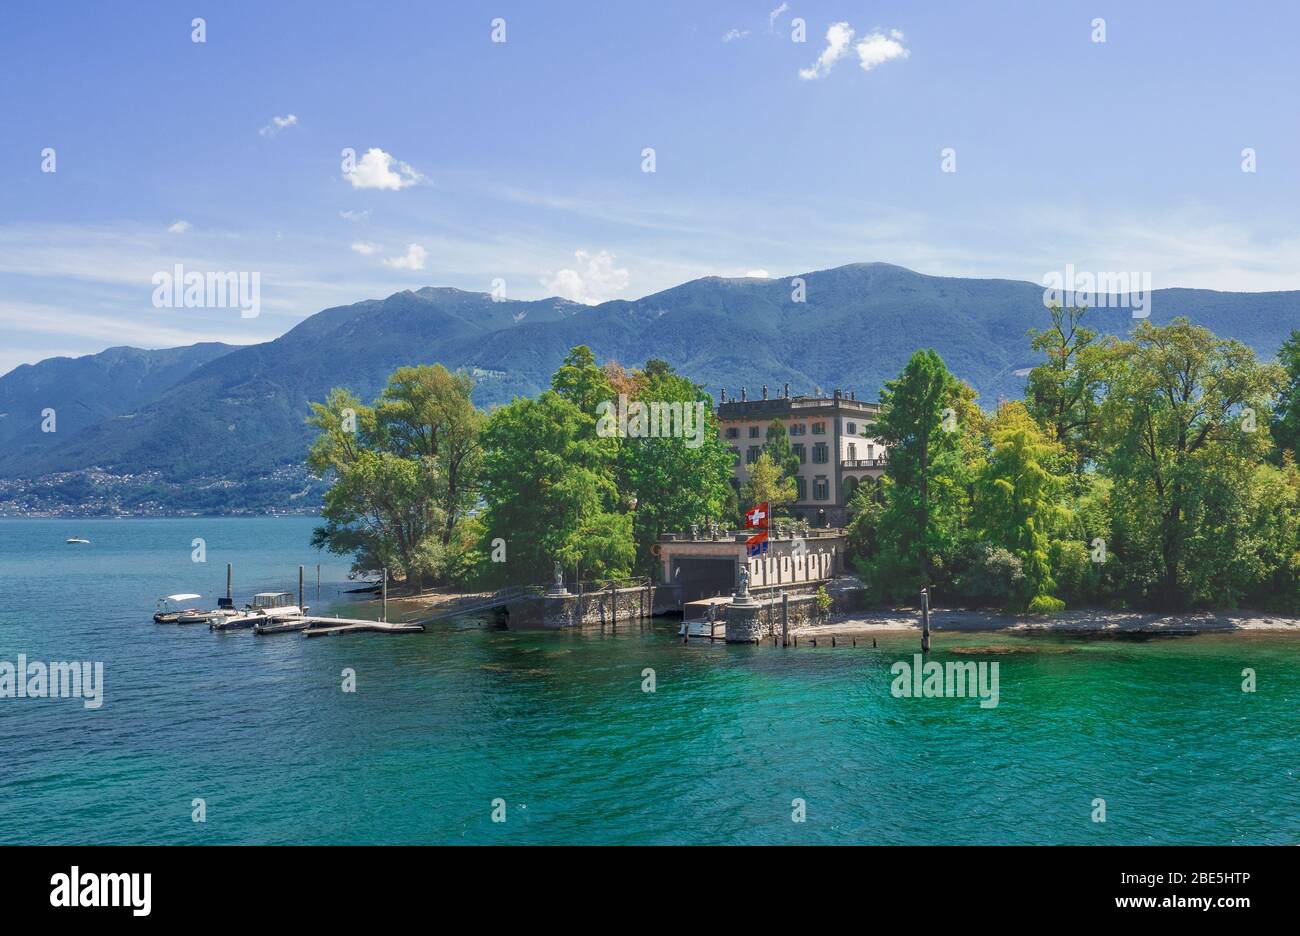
266 607
78 539
171 607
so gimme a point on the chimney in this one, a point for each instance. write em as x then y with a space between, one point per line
744 395
787 391
724 394
765 391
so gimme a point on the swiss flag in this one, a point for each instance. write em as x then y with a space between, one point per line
757 518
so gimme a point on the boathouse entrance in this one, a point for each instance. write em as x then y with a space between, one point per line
705 576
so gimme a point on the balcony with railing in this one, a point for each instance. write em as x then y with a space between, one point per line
863 462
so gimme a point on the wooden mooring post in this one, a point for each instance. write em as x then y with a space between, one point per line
383 616
785 619
318 581
230 573
301 597
925 620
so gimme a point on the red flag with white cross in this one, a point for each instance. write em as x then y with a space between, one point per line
757 518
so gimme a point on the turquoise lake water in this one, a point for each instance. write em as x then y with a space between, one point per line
558 727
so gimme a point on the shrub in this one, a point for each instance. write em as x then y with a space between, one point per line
1046 604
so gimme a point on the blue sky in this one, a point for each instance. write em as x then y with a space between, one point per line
523 160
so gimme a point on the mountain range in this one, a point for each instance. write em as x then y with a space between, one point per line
216 428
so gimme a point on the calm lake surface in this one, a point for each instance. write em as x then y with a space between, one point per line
557 725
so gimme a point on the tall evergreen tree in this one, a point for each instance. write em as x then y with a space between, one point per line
924 475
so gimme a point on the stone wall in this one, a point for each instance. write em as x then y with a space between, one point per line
597 607
763 619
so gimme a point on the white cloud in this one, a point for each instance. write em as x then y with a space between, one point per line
877 49
365 248
178 227
775 15
838 37
375 171
758 274
412 260
356 216
734 34
277 124
596 280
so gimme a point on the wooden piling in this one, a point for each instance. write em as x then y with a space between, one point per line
384 597
301 597
318 581
785 619
925 620
229 581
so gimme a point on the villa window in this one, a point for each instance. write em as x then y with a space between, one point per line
821 489
800 489
853 428
853 452
821 454
752 455
753 432
798 429
802 451
733 432
819 428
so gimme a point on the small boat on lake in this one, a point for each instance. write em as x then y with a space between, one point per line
266 607
170 608
78 539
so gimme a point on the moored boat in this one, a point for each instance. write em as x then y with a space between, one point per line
170 608
266 607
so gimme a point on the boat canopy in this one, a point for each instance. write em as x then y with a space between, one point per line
186 597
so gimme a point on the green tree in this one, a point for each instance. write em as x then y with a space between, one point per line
1017 503
777 444
924 483
1286 416
549 492
581 381
766 483
675 480
1183 444
1063 393
403 473
426 414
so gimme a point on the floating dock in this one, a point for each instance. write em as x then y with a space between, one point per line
324 627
